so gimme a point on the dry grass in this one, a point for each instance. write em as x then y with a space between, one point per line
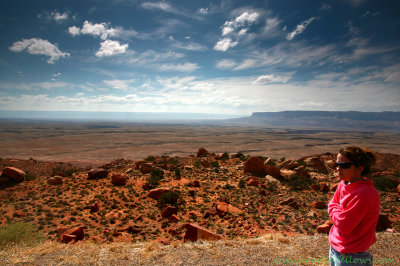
272 249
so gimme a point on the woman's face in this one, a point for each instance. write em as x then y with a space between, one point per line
350 174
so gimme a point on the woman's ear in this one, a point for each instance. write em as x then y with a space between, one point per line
360 169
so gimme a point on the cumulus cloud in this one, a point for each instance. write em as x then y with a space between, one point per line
37 46
74 30
109 48
104 31
300 28
235 29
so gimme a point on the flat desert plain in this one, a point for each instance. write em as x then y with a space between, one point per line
92 143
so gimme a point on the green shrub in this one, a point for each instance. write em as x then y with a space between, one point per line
241 156
157 173
19 233
150 158
225 156
215 164
299 182
178 172
198 163
171 197
384 183
242 183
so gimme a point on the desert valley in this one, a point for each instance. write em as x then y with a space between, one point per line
175 183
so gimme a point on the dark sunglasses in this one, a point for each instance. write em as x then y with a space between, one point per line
344 165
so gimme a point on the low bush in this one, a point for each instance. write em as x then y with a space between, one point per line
171 197
299 182
383 183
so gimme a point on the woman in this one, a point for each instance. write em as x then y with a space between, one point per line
354 209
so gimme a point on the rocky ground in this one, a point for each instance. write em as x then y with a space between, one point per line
174 199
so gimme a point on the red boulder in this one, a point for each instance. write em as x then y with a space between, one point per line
14 173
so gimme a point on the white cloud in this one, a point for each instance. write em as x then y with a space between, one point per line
104 31
59 17
203 11
119 84
191 46
185 67
98 29
158 5
300 28
271 27
224 44
74 30
109 48
226 64
38 46
235 30
271 79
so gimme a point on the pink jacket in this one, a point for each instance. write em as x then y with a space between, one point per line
354 211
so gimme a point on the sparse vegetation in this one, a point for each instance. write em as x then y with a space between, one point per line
384 183
299 182
19 234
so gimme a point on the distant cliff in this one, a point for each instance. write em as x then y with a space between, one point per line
327 119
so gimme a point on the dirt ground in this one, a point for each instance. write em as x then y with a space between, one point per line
98 143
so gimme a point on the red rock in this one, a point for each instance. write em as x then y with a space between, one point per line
253 182
94 207
315 187
324 188
133 229
202 152
163 240
145 168
195 183
292 202
223 208
331 164
173 218
325 228
4 179
383 222
67 238
286 173
118 179
157 192
168 211
14 173
173 232
97 173
272 171
55 180
254 166
195 232
317 164
289 164
319 205
75 233
206 164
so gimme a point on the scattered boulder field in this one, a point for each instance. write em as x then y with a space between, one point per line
204 196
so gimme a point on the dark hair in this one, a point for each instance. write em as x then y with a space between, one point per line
360 157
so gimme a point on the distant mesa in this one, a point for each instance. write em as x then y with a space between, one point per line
326 119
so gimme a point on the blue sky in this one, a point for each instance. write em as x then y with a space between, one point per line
225 57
